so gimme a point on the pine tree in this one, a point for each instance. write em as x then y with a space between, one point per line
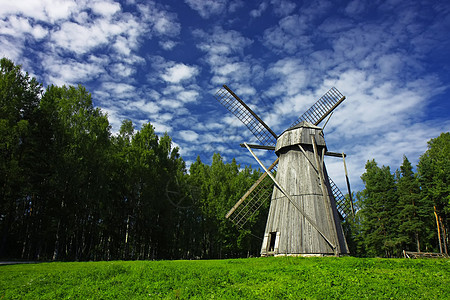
378 208
434 177
413 212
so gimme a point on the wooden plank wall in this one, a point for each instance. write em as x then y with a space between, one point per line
297 174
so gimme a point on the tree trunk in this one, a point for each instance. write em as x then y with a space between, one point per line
417 242
438 229
55 251
444 234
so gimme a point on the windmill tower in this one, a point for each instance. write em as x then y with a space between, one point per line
306 207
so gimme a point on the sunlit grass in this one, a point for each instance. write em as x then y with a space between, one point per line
254 278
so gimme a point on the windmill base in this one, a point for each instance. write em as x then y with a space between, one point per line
299 255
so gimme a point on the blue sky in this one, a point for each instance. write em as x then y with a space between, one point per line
162 62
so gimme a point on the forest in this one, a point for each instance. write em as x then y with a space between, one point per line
72 190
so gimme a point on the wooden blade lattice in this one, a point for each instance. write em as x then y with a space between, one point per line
322 108
259 194
236 106
344 207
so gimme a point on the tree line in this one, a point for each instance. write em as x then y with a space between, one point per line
404 210
72 190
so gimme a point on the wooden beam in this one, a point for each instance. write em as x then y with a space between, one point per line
335 154
348 185
253 146
329 111
251 111
307 158
326 196
260 179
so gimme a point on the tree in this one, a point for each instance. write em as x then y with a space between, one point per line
79 141
221 185
379 208
434 178
69 190
352 228
19 99
414 213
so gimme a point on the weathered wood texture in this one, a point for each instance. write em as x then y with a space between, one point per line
298 174
300 134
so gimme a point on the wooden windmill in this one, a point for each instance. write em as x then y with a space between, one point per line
306 206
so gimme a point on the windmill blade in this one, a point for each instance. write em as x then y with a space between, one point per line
235 105
344 207
322 108
258 194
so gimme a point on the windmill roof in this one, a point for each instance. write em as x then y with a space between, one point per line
300 134
303 124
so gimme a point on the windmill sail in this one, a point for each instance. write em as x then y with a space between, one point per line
343 206
322 108
236 106
258 194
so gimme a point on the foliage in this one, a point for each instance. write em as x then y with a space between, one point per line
19 100
414 220
404 211
221 185
254 278
378 206
70 190
434 177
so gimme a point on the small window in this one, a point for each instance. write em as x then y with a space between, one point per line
272 239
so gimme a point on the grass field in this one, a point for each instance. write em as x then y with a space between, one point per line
253 278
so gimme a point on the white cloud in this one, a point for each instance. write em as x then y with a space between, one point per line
122 70
119 90
115 120
170 103
188 135
159 127
77 38
19 27
9 49
188 96
122 46
179 72
70 72
386 148
289 36
224 54
105 8
44 10
144 106
355 7
222 42
162 22
165 26
167 45
208 8
283 7
260 10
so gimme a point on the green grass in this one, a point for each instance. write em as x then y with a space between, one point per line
254 278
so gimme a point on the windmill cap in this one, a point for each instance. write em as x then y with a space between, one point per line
300 134
304 124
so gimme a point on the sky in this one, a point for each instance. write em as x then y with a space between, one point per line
163 61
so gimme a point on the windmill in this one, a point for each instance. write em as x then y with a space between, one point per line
306 206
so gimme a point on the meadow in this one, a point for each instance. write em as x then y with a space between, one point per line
252 278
